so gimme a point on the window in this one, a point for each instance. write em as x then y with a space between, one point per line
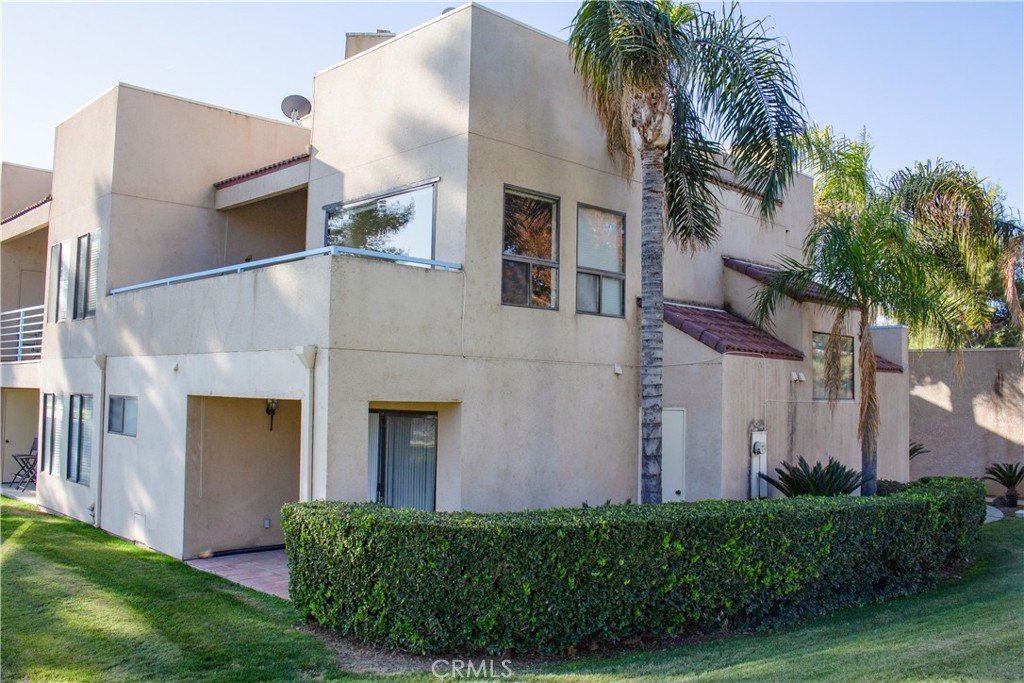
529 267
53 426
80 439
73 284
60 272
600 261
402 459
123 415
400 222
85 275
819 342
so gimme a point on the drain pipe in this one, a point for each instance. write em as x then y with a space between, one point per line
307 356
101 362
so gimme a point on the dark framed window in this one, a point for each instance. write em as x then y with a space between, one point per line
398 222
529 266
53 427
80 439
600 261
60 280
402 454
122 415
85 275
819 343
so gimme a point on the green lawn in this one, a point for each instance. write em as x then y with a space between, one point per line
78 605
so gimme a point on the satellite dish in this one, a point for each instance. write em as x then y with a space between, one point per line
295 107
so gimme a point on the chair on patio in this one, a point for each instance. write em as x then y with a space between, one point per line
26 473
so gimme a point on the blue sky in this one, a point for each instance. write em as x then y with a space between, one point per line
926 79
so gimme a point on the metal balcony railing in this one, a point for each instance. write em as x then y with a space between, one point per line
263 263
21 334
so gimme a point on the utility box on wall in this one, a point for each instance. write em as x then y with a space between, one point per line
758 464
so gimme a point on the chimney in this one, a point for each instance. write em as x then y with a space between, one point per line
360 42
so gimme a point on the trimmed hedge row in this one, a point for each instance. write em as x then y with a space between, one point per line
539 581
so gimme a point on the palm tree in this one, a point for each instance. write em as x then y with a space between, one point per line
681 86
879 248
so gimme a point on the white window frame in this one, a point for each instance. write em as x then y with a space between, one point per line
599 273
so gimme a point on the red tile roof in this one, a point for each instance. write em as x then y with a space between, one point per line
22 212
727 333
759 272
277 165
886 365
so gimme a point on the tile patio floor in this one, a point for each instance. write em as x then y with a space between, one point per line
265 571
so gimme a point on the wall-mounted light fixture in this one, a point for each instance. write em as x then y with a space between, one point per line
271 410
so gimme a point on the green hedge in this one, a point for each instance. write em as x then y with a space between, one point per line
540 581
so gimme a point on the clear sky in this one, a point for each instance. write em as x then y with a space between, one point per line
926 79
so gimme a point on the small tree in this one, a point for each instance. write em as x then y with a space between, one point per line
676 85
868 254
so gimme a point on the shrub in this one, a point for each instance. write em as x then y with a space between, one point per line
1009 475
548 579
834 479
887 487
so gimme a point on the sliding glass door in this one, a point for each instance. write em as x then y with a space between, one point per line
403 459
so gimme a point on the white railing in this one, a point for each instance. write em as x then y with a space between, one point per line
262 263
21 334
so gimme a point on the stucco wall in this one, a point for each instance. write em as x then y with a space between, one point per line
238 472
19 425
265 229
21 187
971 423
22 271
168 153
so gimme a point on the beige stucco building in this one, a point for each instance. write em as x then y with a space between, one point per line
425 292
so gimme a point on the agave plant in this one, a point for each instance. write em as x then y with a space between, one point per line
834 479
1009 475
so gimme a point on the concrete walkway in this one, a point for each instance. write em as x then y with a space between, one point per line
26 496
265 571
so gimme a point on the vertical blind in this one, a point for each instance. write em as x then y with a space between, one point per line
407 466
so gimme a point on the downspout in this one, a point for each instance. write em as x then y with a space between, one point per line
307 356
97 505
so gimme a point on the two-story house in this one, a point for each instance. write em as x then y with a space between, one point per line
424 294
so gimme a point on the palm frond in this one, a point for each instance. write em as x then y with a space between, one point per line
623 49
691 167
740 78
791 279
841 167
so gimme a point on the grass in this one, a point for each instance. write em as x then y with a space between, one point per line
79 605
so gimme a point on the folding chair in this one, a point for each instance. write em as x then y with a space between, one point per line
26 467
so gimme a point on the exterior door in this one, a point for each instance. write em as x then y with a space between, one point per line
403 459
673 456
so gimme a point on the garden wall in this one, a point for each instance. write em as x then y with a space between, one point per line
541 581
971 423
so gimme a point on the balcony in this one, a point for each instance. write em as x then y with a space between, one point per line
21 334
287 258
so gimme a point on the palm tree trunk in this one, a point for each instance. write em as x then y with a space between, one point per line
652 293
868 407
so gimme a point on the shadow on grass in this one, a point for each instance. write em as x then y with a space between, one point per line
82 605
